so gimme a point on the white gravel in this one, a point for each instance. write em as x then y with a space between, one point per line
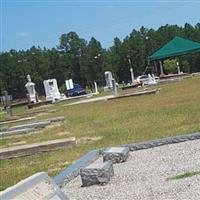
144 176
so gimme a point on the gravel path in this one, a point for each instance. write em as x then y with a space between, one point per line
144 176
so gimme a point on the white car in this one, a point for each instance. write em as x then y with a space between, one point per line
144 79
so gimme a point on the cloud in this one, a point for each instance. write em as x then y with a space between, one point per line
23 34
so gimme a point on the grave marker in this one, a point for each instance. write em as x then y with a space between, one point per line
30 86
36 187
69 84
115 93
51 90
97 173
108 77
96 88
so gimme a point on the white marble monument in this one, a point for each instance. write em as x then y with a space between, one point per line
108 77
132 75
30 86
51 90
178 68
69 84
96 88
151 80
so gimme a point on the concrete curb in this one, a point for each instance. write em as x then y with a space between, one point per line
163 141
74 170
29 149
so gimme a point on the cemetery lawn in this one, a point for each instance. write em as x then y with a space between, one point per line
173 111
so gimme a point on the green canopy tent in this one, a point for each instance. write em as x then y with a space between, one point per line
176 47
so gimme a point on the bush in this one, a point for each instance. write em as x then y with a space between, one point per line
62 88
170 66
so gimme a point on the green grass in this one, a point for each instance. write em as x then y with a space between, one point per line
185 175
174 111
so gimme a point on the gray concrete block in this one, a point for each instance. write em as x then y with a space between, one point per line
3 129
29 149
97 174
116 154
52 120
163 141
41 124
17 132
36 187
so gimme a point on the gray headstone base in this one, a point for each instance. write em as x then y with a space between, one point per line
97 174
116 154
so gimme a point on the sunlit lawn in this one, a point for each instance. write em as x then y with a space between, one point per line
175 110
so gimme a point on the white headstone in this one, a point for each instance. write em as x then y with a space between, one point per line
51 90
108 77
69 84
36 187
178 68
30 86
151 80
96 88
132 75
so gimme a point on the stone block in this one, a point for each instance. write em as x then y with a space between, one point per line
116 154
29 149
36 187
51 120
16 132
97 173
41 124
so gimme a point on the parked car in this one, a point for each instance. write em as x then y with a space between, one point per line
76 91
144 79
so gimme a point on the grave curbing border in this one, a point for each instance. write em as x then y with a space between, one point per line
73 170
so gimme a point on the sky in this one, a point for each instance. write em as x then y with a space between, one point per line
25 23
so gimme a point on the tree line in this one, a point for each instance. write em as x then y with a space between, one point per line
86 61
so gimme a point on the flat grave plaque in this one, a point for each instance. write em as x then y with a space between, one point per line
37 187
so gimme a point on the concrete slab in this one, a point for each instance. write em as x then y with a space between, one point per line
28 149
16 132
135 94
41 124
